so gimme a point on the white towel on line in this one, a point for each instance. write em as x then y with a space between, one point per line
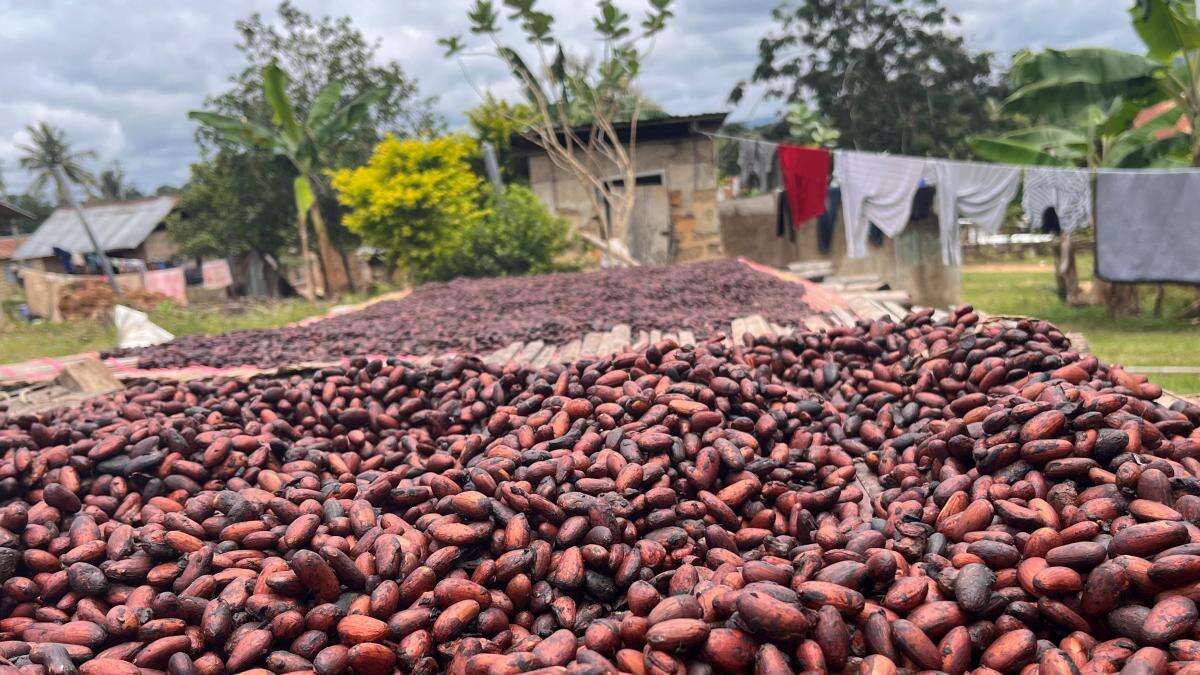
876 189
978 192
1069 192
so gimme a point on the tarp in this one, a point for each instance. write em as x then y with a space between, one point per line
169 282
216 274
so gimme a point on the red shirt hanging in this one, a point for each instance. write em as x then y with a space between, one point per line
805 173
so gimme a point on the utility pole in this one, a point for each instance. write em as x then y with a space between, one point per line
74 201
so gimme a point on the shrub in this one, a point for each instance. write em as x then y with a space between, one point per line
517 235
412 198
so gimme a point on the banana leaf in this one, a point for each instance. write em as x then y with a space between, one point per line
1167 27
1060 84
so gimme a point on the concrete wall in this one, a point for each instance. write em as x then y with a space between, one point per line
689 173
910 262
158 247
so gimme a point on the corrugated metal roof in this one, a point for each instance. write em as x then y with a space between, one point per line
9 211
117 225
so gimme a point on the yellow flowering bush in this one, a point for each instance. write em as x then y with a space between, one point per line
413 197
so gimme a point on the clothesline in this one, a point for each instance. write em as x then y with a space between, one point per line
1179 170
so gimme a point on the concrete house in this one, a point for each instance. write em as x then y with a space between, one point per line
675 212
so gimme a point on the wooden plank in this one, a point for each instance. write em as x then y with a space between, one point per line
569 352
622 336
505 354
671 336
609 346
687 337
88 376
757 325
643 339
897 310
844 317
591 344
893 296
530 350
816 322
737 328
655 335
544 356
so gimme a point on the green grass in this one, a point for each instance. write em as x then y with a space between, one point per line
1141 340
20 341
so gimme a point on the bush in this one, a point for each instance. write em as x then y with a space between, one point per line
412 198
517 235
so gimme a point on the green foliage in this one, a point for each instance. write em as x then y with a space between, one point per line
236 203
411 197
890 76
808 127
1167 27
518 235
34 204
495 121
1054 85
312 52
48 147
1084 102
573 90
112 185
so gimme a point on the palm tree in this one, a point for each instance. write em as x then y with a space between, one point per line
113 185
306 143
48 148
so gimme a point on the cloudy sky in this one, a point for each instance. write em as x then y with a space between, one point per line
120 75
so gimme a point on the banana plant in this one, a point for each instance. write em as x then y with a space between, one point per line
1171 32
306 143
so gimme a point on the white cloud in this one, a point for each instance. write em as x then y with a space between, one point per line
120 76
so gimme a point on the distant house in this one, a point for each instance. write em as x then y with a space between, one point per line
128 229
675 209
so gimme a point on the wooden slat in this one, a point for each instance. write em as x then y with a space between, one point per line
622 336
591 344
655 335
897 310
816 322
568 352
643 339
505 354
843 317
737 328
544 356
756 325
687 337
530 350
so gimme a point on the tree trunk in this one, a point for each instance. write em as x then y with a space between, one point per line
1120 299
310 290
336 281
1066 276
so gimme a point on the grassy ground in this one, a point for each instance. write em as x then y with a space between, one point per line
1027 288
20 341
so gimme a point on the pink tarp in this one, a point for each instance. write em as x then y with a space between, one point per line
168 282
216 274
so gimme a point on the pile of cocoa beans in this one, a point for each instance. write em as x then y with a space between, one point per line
890 497
483 315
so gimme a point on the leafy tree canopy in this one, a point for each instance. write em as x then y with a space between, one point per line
889 75
312 52
236 203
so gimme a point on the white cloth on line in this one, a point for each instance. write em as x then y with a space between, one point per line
1069 192
975 191
876 189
